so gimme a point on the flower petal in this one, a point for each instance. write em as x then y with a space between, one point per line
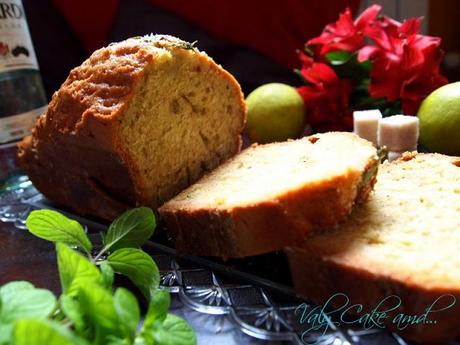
368 15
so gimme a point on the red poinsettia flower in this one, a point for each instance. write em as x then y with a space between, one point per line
326 97
405 63
345 34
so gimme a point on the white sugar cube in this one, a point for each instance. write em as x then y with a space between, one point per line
398 133
365 124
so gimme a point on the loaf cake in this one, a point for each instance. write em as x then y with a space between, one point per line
272 195
404 241
136 123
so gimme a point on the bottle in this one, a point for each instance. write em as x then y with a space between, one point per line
22 97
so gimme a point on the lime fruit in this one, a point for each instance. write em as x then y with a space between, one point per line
439 116
276 112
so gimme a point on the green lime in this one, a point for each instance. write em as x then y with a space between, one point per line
439 116
276 112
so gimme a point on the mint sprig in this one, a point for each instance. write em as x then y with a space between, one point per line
132 229
75 270
161 328
40 332
137 266
23 300
90 311
128 312
54 226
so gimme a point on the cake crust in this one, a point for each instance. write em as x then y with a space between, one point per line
76 155
401 242
319 279
269 224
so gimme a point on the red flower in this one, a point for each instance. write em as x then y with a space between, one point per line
405 63
326 97
345 34
405 68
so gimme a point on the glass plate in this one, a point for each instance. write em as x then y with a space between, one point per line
247 301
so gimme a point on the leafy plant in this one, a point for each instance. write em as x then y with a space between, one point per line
90 311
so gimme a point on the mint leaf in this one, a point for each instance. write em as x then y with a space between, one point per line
10 289
132 229
116 341
53 226
173 331
156 313
107 275
6 333
75 270
137 266
71 309
158 307
128 312
26 302
40 332
97 305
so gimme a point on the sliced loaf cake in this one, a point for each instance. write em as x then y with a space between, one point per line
403 245
270 196
135 124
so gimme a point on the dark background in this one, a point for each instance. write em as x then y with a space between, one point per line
59 50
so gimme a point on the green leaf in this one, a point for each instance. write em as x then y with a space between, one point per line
6 333
10 289
366 65
158 307
128 312
143 339
53 226
137 266
107 275
347 66
338 57
173 331
156 313
71 309
41 332
25 302
97 305
75 270
132 229
110 340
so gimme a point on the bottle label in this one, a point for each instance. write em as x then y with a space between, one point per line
16 49
17 126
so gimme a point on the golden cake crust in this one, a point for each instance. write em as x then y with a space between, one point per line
75 155
270 224
401 242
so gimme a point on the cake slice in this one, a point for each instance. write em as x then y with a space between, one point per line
272 195
135 124
404 241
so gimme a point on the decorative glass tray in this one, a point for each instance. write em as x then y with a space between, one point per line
248 301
